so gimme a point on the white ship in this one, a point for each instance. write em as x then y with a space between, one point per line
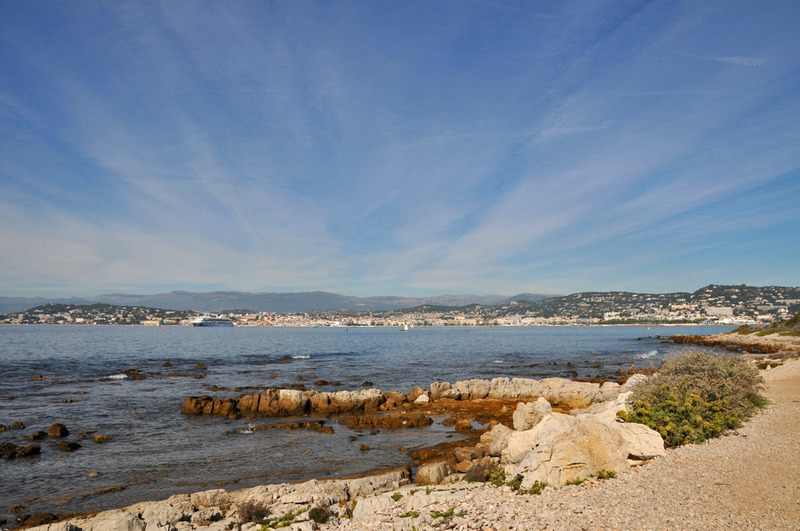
207 320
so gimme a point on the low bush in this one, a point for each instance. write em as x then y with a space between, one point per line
253 511
697 396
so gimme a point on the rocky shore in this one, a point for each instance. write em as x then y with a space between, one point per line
560 471
754 344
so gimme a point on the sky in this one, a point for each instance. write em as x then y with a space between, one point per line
398 148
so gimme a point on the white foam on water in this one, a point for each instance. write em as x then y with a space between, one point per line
303 357
645 355
498 361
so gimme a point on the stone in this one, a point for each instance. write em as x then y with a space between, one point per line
437 388
519 443
433 473
100 438
527 415
389 421
495 439
585 449
472 389
634 381
367 507
68 446
422 399
293 402
118 521
416 393
57 430
463 425
640 441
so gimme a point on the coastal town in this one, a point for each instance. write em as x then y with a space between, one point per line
713 304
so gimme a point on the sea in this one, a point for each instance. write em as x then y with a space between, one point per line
130 383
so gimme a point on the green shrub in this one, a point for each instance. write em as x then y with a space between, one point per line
409 514
697 396
396 497
496 476
537 487
606 474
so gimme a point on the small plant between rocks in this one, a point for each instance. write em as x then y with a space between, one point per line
253 512
606 474
408 514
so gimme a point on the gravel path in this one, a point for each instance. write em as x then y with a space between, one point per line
746 480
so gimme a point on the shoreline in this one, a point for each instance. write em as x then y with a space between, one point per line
466 495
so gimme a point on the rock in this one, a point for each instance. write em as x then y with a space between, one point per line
495 439
416 393
468 453
527 415
463 425
478 468
585 449
605 412
118 521
640 441
390 421
437 388
293 402
472 389
12 451
634 381
38 436
422 399
519 443
57 430
211 498
16 425
99 438
433 473
367 507
68 446
34 520
364 448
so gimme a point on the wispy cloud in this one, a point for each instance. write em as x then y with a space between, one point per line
380 148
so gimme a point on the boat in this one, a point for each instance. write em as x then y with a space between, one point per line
405 328
207 320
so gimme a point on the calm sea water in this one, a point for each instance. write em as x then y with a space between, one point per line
157 451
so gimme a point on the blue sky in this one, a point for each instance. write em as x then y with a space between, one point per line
403 148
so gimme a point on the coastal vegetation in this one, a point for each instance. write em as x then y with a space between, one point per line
697 396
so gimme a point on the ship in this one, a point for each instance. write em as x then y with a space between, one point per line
208 320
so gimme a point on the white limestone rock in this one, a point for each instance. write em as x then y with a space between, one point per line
527 415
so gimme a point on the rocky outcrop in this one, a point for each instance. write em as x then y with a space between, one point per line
287 402
221 510
12 451
391 421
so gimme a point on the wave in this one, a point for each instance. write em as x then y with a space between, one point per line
115 377
645 355
498 361
301 357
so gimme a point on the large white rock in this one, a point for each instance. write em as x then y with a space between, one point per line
118 521
585 449
640 441
520 443
433 473
527 415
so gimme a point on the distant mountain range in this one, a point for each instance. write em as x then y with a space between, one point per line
218 301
